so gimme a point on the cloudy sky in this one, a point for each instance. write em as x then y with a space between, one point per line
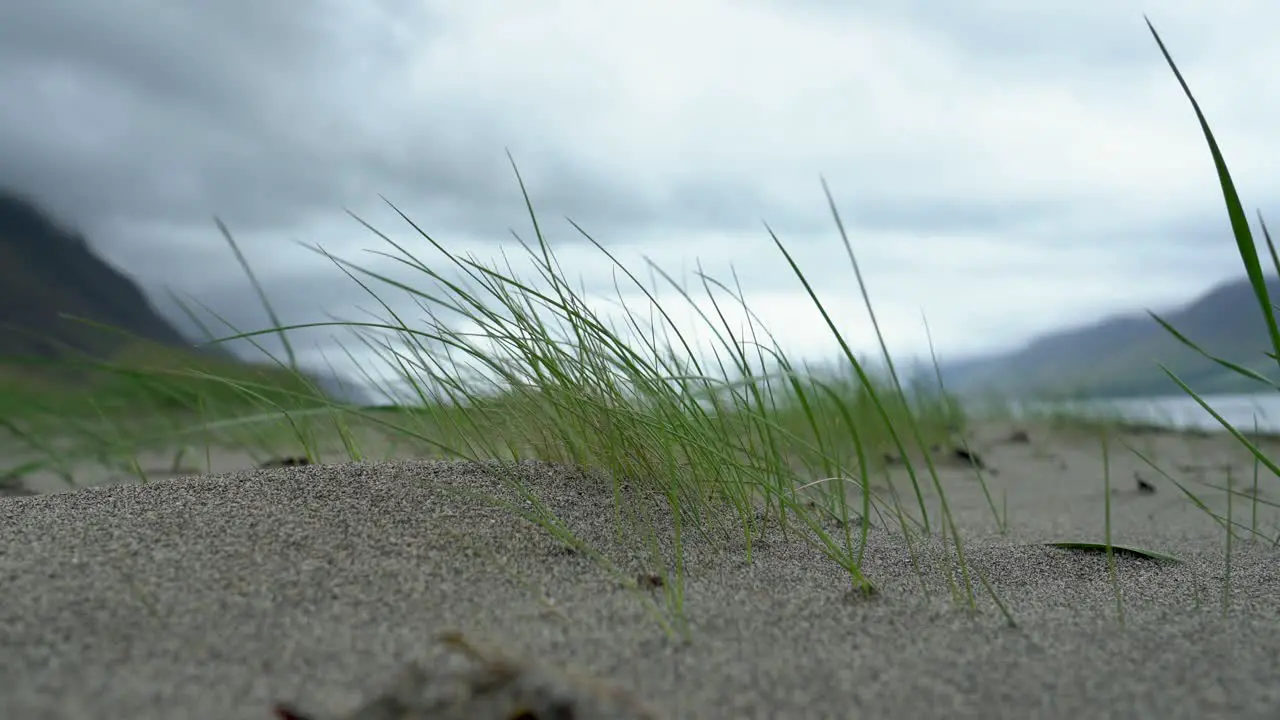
1003 168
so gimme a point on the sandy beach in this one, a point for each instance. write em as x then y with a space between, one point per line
215 596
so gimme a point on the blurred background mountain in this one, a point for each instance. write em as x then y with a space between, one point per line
1117 356
58 299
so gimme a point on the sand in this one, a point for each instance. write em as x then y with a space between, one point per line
216 596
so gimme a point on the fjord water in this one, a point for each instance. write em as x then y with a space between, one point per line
1179 411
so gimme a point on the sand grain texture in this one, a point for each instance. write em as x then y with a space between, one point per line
216 597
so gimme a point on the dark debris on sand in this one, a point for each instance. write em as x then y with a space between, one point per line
491 686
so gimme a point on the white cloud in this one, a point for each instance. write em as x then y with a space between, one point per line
1004 167
766 97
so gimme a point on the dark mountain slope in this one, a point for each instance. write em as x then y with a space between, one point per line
47 271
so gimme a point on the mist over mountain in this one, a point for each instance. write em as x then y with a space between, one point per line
59 300
1117 356
48 272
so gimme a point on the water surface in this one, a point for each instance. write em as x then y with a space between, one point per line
1181 411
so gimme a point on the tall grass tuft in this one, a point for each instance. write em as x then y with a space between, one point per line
1247 249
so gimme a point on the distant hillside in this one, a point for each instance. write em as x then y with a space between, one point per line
48 272
1117 356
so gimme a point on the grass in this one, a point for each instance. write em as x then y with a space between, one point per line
500 365
549 377
1248 252
1113 550
145 399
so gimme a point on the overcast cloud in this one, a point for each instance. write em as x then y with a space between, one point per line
1002 167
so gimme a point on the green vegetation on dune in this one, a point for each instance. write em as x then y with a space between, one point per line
743 430
145 378
57 414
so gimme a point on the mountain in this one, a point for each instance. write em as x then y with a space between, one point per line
49 272
1117 356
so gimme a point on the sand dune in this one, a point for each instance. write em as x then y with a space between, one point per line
216 596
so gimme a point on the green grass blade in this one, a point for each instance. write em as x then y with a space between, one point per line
1235 211
1104 548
